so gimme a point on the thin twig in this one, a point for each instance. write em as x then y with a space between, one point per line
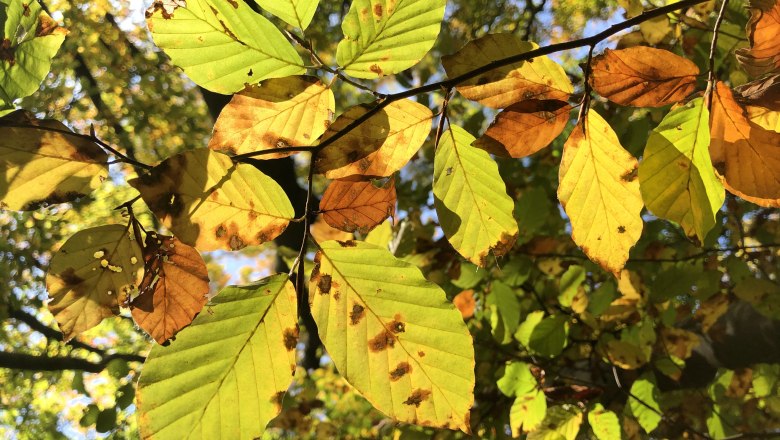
301 259
712 77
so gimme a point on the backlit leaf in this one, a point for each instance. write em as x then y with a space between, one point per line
383 37
643 76
173 290
540 78
30 40
357 205
212 203
91 276
393 335
764 117
505 307
676 176
222 45
474 209
378 147
527 412
524 128
560 423
517 380
600 193
224 377
746 156
278 113
465 303
763 56
42 163
605 423
296 13
644 405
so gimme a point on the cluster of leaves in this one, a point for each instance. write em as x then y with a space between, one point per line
379 297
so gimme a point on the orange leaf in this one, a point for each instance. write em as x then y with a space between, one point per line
464 301
173 290
524 128
643 76
323 232
357 205
762 30
746 156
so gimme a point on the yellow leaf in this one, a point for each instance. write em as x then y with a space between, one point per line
92 274
643 76
540 78
42 163
378 147
764 117
212 203
746 156
278 113
600 193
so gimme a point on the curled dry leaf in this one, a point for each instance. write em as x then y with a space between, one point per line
91 276
524 128
278 113
763 55
378 147
764 92
212 203
43 163
540 78
643 76
173 290
745 155
357 205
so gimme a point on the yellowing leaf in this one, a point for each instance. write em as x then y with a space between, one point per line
224 377
321 231
383 37
393 335
42 163
527 412
746 156
278 113
222 45
296 13
92 274
643 76
676 176
604 423
540 78
644 402
678 342
378 147
763 56
524 128
600 193
560 423
474 210
764 118
212 203
173 290
357 205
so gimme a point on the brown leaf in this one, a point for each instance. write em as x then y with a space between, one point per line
524 128
174 287
764 92
464 301
746 156
357 205
762 29
643 76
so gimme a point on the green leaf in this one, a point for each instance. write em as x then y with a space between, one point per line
763 294
517 380
523 334
527 411
549 337
470 276
296 13
226 374
644 402
532 211
474 209
602 297
560 423
33 39
505 306
605 423
106 420
383 37
571 280
223 45
393 335
676 176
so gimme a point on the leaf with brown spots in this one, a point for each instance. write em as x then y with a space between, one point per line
745 155
524 128
540 78
393 335
357 205
643 76
212 203
378 147
44 163
91 276
278 113
234 358
386 37
173 290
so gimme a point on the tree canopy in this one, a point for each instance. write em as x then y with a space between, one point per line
390 219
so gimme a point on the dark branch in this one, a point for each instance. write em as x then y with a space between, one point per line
23 361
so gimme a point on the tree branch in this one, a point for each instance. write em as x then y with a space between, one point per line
23 361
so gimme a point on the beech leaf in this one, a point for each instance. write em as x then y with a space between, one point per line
762 29
357 205
296 13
